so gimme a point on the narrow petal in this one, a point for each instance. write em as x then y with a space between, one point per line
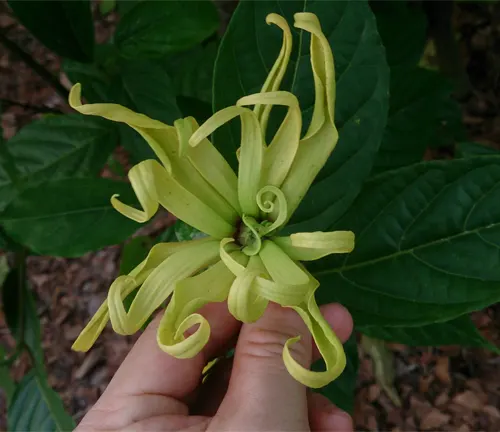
114 112
227 246
209 162
164 141
190 295
280 154
158 185
316 245
328 344
282 269
271 200
92 330
156 256
159 285
284 295
244 301
322 135
278 70
323 71
251 152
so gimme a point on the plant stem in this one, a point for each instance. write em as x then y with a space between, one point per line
39 109
20 265
33 64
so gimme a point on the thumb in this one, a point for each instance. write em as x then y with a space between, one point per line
262 395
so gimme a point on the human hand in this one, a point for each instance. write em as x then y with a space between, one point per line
153 391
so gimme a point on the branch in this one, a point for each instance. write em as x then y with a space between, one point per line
33 64
41 108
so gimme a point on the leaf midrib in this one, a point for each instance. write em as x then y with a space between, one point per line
403 252
55 215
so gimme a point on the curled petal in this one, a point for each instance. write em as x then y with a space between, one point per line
282 269
271 200
208 161
322 135
281 152
164 141
159 285
284 295
254 243
326 340
191 294
323 71
316 245
152 182
278 70
251 152
244 301
125 286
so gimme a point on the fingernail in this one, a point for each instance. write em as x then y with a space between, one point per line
341 421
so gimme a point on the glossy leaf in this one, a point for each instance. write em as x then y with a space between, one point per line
472 149
459 331
18 306
153 29
192 72
144 87
53 148
69 217
427 245
247 53
418 109
185 232
66 27
133 252
342 391
36 407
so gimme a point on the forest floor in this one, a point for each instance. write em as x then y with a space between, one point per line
447 388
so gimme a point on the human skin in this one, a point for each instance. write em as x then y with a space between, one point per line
153 391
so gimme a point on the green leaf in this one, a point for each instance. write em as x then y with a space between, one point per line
65 27
342 391
7 384
133 253
147 88
153 29
185 232
20 313
472 149
403 29
107 6
144 87
54 148
69 217
458 331
95 82
247 53
36 407
418 109
167 236
192 71
427 245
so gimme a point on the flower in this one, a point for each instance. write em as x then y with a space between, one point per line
243 259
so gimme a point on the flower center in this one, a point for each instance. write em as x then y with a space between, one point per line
271 201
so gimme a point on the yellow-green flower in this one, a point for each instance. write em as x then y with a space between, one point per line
243 260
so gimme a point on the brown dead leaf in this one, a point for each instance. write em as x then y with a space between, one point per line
469 399
434 420
425 383
441 399
492 411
